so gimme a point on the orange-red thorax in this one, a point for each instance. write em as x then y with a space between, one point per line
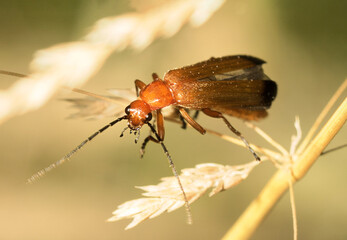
157 95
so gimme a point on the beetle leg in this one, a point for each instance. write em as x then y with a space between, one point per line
139 85
216 114
155 77
161 133
144 144
160 125
174 171
191 121
184 124
196 114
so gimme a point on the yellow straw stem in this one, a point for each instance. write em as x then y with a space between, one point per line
278 184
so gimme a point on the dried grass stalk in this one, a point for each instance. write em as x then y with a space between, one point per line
72 64
278 184
167 196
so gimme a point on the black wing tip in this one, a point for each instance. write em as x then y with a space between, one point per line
270 90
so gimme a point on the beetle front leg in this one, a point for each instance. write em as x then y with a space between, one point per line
144 144
160 125
139 85
161 133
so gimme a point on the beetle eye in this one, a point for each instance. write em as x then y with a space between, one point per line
149 117
127 110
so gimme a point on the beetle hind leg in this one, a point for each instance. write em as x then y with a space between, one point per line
216 114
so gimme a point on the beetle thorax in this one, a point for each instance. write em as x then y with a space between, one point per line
157 95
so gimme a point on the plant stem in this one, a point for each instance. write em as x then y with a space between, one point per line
278 184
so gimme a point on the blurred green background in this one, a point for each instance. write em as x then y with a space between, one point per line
305 46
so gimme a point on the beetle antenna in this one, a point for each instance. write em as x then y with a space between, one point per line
174 171
12 74
43 171
333 149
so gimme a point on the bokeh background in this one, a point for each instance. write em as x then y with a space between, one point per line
304 44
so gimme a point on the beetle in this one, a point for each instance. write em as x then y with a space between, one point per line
230 85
